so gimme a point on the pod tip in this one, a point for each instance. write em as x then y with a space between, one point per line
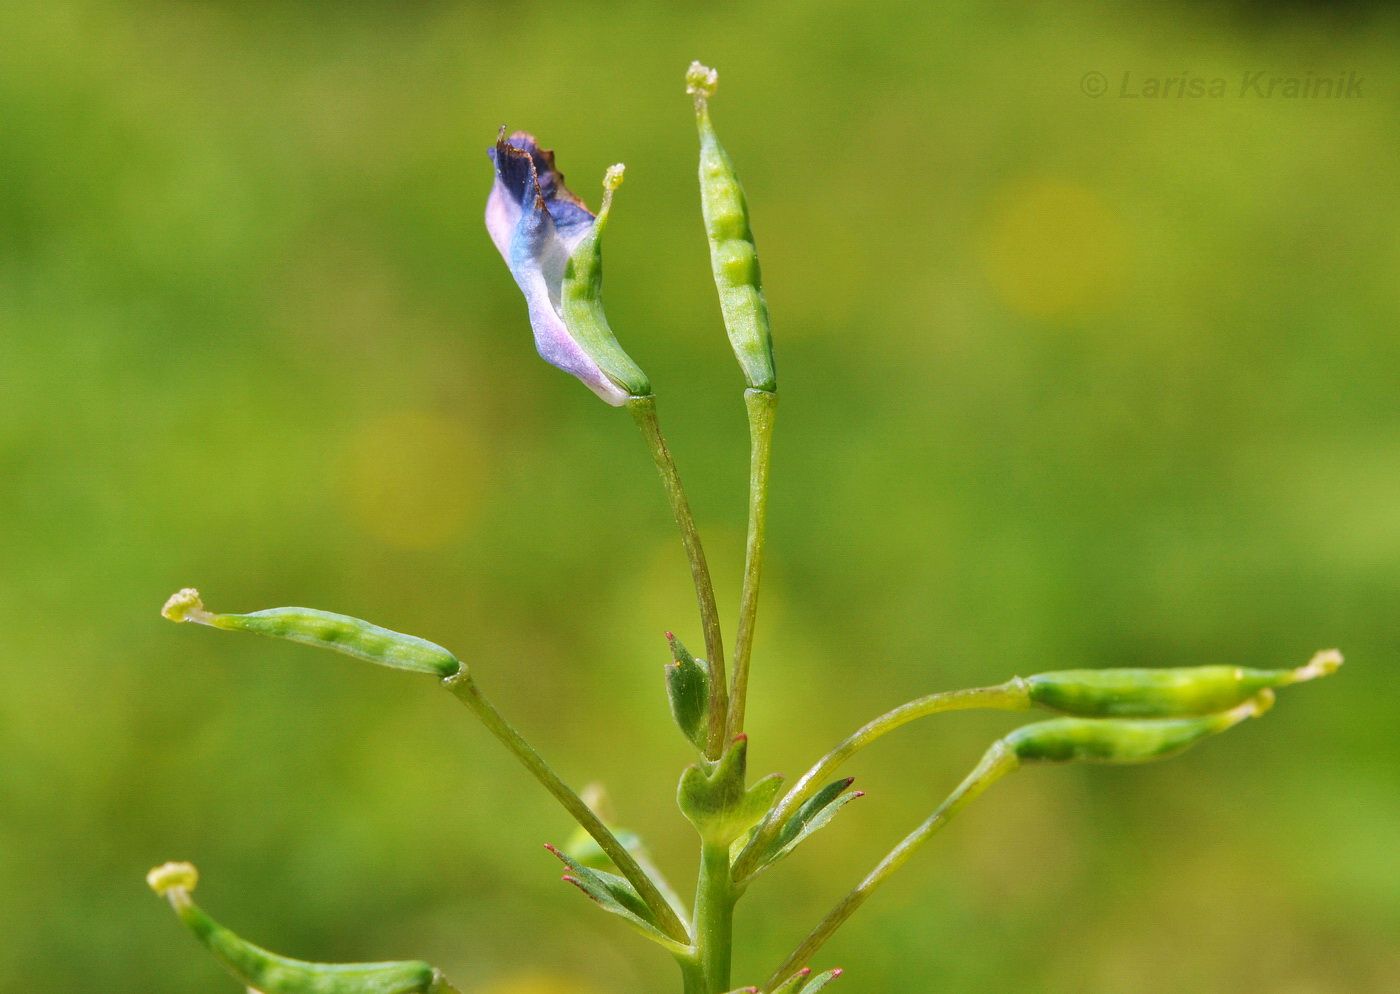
1324 663
184 605
170 876
612 179
701 81
1258 704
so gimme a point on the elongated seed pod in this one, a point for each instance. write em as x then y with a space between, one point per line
1167 693
733 256
1121 740
328 631
581 299
269 973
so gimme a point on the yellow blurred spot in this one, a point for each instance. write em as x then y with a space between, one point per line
413 479
537 983
1054 249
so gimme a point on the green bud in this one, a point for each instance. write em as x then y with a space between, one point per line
688 687
269 973
733 256
328 631
1115 740
581 300
1167 693
714 798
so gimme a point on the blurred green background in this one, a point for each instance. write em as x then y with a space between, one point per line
1067 381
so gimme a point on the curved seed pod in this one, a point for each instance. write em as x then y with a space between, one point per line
581 300
272 974
1114 740
733 256
1168 693
328 631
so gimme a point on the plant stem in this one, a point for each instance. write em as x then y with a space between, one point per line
714 915
763 407
692 976
998 762
1009 696
644 410
465 689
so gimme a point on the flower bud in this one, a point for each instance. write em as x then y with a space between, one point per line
1165 693
269 973
1114 740
733 255
552 244
328 631
688 687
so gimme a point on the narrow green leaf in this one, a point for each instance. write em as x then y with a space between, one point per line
811 817
614 894
821 980
793 984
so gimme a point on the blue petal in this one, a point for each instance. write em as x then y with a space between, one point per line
536 223
525 169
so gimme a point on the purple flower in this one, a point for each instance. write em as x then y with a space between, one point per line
537 224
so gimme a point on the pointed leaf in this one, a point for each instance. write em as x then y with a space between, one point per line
793 984
818 982
812 816
613 893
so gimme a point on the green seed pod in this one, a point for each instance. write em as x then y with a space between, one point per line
581 300
328 631
269 973
1168 693
1112 740
733 256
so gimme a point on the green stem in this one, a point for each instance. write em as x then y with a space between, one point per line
692 975
762 406
714 916
1009 696
644 410
998 762
463 687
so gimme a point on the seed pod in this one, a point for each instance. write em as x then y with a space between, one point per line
733 256
1114 740
581 300
1167 693
269 973
328 631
